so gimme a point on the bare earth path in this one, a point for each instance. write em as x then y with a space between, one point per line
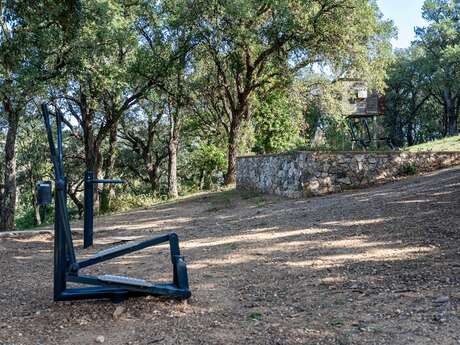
376 266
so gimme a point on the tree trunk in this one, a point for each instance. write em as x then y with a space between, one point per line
232 146
396 131
451 114
172 164
410 134
74 197
37 216
201 178
153 171
174 122
35 206
92 146
8 206
452 126
317 137
108 190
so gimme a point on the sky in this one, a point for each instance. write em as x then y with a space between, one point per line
406 15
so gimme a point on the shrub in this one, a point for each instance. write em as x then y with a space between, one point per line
25 218
127 201
408 169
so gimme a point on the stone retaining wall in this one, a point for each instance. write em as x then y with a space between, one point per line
299 174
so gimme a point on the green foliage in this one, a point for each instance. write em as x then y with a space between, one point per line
408 169
255 316
127 201
25 218
208 157
208 161
423 88
277 124
337 322
138 81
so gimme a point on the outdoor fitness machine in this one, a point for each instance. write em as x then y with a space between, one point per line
67 268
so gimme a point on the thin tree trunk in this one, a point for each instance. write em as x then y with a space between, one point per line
108 190
232 146
36 208
397 131
451 114
444 121
172 163
37 216
317 134
230 176
174 121
201 179
8 206
96 169
452 129
73 196
410 134
153 170
92 146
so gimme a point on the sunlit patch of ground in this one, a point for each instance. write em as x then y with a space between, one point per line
376 266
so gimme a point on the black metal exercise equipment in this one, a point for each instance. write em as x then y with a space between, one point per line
67 267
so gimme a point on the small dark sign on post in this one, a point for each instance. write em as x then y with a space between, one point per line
44 194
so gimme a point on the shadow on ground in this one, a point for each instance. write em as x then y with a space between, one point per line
378 266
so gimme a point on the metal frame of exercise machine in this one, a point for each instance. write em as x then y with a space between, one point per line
67 267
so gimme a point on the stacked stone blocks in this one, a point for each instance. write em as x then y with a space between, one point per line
310 173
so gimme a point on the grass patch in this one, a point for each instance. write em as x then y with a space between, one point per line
337 323
446 144
255 316
230 246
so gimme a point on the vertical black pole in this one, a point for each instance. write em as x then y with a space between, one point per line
59 142
88 210
67 249
374 135
64 255
180 276
175 253
60 260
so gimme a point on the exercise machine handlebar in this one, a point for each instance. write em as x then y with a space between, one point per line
88 212
108 181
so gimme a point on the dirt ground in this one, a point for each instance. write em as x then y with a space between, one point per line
375 266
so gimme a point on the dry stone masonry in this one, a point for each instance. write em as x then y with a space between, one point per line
308 173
